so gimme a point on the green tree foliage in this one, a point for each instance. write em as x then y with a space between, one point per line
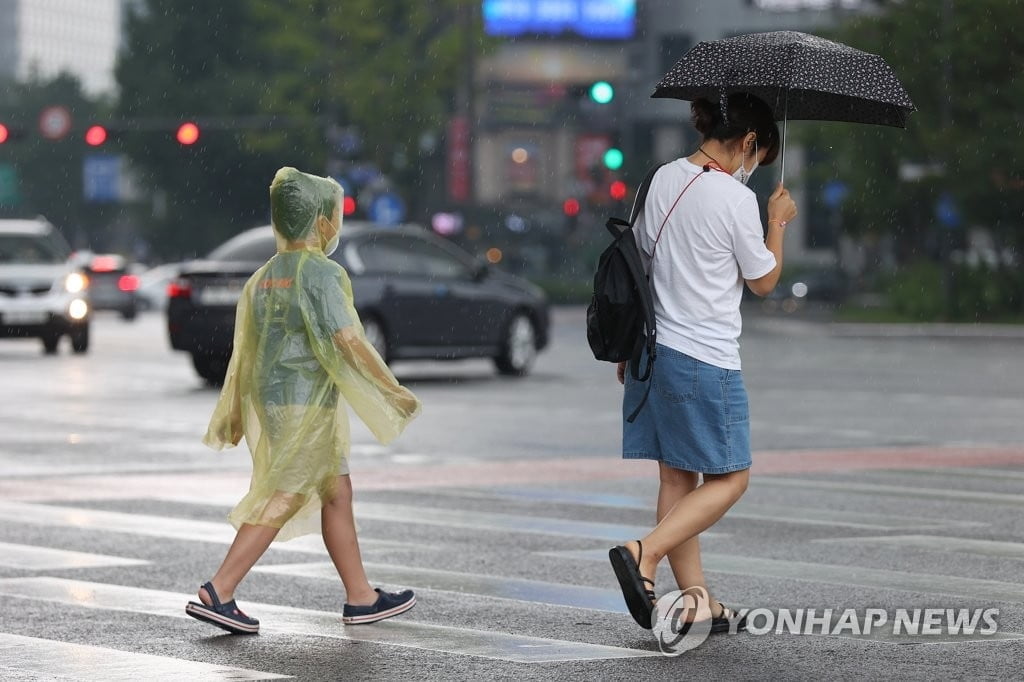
388 69
959 60
49 172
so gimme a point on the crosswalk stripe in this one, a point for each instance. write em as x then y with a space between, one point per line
477 520
306 622
938 543
63 660
516 589
491 521
943 494
852 576
192 530
34 558
742 510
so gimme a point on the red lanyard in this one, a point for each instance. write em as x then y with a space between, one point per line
706 168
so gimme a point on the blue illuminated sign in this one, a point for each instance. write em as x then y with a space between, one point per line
596 19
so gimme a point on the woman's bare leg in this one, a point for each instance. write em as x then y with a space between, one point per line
339 531
695 512
684 559
249 545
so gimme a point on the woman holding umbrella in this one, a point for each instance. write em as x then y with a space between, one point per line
702 240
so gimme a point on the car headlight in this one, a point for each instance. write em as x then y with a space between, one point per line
75 282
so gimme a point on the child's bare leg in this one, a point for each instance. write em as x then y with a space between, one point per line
339 531
249 545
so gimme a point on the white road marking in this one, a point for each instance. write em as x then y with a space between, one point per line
491 586
192 530
943 494
742 510
938 543
63 660
477 520
853 576
287 620
34 558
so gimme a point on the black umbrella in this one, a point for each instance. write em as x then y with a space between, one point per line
800 76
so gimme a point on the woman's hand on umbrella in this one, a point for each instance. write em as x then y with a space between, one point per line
781 206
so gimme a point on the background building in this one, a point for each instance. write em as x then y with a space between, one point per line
542 138
46 37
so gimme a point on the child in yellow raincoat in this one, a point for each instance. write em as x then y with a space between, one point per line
300 358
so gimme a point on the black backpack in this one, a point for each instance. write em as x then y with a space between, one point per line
620 318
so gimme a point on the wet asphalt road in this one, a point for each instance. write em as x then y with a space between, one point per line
889 474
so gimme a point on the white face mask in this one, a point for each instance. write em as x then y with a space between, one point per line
332 245
741 173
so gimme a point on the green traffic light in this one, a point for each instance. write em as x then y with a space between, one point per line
602 92
613 159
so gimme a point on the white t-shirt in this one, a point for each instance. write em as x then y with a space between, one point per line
711 243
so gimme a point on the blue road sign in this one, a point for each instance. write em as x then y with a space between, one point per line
387 209
101 178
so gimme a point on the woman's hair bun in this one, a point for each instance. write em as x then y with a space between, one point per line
705 115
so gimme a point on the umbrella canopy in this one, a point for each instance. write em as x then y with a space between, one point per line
800 76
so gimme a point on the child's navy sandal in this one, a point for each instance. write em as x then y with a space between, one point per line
226 616
388 604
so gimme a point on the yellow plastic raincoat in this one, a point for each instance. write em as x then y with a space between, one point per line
300 356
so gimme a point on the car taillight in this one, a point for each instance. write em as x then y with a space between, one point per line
179 288
128 283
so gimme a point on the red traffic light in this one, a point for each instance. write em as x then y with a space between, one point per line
617 190
571 207
188 133
348 206
4 133
95 136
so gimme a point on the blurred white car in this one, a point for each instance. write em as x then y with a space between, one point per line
152 291
42 293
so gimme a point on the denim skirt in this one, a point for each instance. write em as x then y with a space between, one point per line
696 418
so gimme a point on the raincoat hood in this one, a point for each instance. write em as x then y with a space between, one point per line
305 210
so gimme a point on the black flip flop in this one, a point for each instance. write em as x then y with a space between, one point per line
723 622
639 599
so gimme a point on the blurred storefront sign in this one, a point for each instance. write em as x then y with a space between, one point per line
590 150
593 19
527 106
459 166
797 5
521 167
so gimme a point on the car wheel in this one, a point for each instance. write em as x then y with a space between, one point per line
518 347
375 334
129 314
50 342
211 368
80 339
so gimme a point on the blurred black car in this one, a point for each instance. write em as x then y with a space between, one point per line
111 285
418 297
